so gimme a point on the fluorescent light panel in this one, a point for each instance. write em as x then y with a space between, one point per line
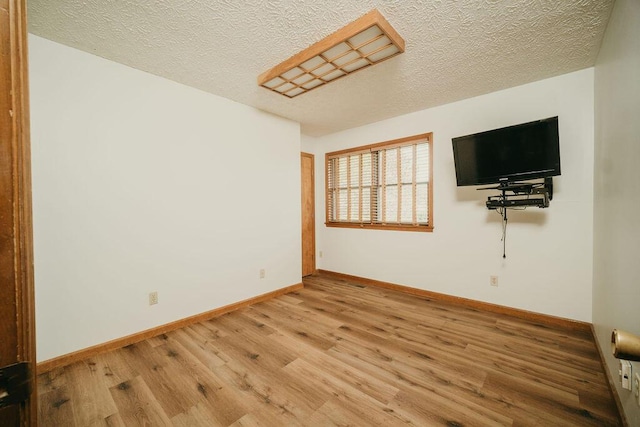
362 43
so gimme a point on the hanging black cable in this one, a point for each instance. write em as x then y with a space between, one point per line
504 233
521 195
504 223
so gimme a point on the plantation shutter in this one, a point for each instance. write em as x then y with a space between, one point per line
384 184
404 184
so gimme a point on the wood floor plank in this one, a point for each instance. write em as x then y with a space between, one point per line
202 385
266 398
564 411
338 353
442 411
379 390
198 415
594 401
354 400
432 385
198 347
335 413
114 368
137 404
92 402
510 342
446 364
567 378
295 324
162 380
55 407
266 418
114 420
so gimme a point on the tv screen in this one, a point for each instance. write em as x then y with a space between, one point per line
515 153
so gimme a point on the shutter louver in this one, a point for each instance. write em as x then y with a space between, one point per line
383 185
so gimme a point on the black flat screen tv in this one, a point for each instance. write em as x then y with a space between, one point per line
515 153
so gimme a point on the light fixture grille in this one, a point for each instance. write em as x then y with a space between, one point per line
363 43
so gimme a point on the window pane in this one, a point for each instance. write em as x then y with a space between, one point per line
384 186
391 176
391 208
406 162
422 163
366 205
342 173
421 203
355 205
366 169
342 205
406 211
354 170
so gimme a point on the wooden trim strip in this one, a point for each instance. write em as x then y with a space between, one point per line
612 388
386 145
17 306
372 18
381 226
382 183
329 195
349 188
399 184
67 359
545 319
414 185
360 188
430 186
312 213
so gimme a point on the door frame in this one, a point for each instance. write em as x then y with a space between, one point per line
313 210
16 220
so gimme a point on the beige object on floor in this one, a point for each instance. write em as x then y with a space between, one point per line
625 345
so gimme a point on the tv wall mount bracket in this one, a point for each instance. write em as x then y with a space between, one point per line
518 195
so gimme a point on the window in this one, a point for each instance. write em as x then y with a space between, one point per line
385 186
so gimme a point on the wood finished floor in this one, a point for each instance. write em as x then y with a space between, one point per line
338 353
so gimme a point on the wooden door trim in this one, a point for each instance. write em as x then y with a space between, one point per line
18 223
313 200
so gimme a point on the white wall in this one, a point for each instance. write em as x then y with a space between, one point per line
616 284
141 184
549 252
308 144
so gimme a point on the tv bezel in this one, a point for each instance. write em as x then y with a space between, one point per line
514 177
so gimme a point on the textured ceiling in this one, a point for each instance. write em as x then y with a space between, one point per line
454 49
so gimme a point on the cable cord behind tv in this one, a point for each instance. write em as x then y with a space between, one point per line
504 234
503 213
521 195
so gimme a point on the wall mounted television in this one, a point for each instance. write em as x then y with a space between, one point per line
514 153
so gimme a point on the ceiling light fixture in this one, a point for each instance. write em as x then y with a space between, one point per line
364 42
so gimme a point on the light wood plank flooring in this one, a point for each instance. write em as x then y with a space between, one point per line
340 354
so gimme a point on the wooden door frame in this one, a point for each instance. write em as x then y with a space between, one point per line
313 198
16 221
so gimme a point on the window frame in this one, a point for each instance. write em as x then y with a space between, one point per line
407 141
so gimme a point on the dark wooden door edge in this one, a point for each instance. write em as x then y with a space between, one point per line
16 223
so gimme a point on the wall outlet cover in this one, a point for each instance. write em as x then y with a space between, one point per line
153 298
626 374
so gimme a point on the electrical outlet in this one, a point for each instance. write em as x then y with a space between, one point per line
493 280
320 254
153 298
636 387
625 366
262 273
